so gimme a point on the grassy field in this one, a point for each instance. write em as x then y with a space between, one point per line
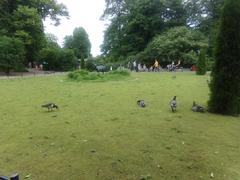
99 132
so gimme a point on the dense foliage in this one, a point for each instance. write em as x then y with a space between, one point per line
201 63
134 24
58 59
12 54
135 30
178 43
23 20
83 75
53 57
225 84
29 29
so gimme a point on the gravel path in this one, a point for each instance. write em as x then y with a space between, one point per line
31 74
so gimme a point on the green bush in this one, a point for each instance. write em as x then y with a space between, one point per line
178 43
49 57
83 75
209 64
58 59
120 72
201 63
67 60
90 65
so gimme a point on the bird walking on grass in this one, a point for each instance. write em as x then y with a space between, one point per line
173 104
50 106
197 108
141 103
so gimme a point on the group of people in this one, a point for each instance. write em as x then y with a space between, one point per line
173 67
135 66
156 67
35 65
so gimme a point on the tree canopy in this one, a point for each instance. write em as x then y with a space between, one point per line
23 20
79 42
12 54
136 29
179 43
134 24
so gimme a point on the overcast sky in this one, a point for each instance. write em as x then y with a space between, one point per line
83 13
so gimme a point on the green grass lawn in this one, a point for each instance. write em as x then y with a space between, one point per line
99 131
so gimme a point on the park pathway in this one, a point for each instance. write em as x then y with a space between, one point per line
31 73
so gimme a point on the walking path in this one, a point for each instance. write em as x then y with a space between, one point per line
30 73
38 73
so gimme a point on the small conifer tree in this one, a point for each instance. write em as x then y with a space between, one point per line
201 63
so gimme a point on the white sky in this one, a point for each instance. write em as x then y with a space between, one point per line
83 13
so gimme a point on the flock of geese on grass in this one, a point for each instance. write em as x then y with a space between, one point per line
141 103
173 105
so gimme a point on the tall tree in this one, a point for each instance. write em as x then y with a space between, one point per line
23 20
115 8
53 57
80 43
116 12
45 8
174 13
68 42
132 25
51 41
143 23
5 17
28 28
204 15
225 84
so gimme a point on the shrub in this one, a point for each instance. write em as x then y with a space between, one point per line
201 63
58 59
178 43
83 75
120 72
90 65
